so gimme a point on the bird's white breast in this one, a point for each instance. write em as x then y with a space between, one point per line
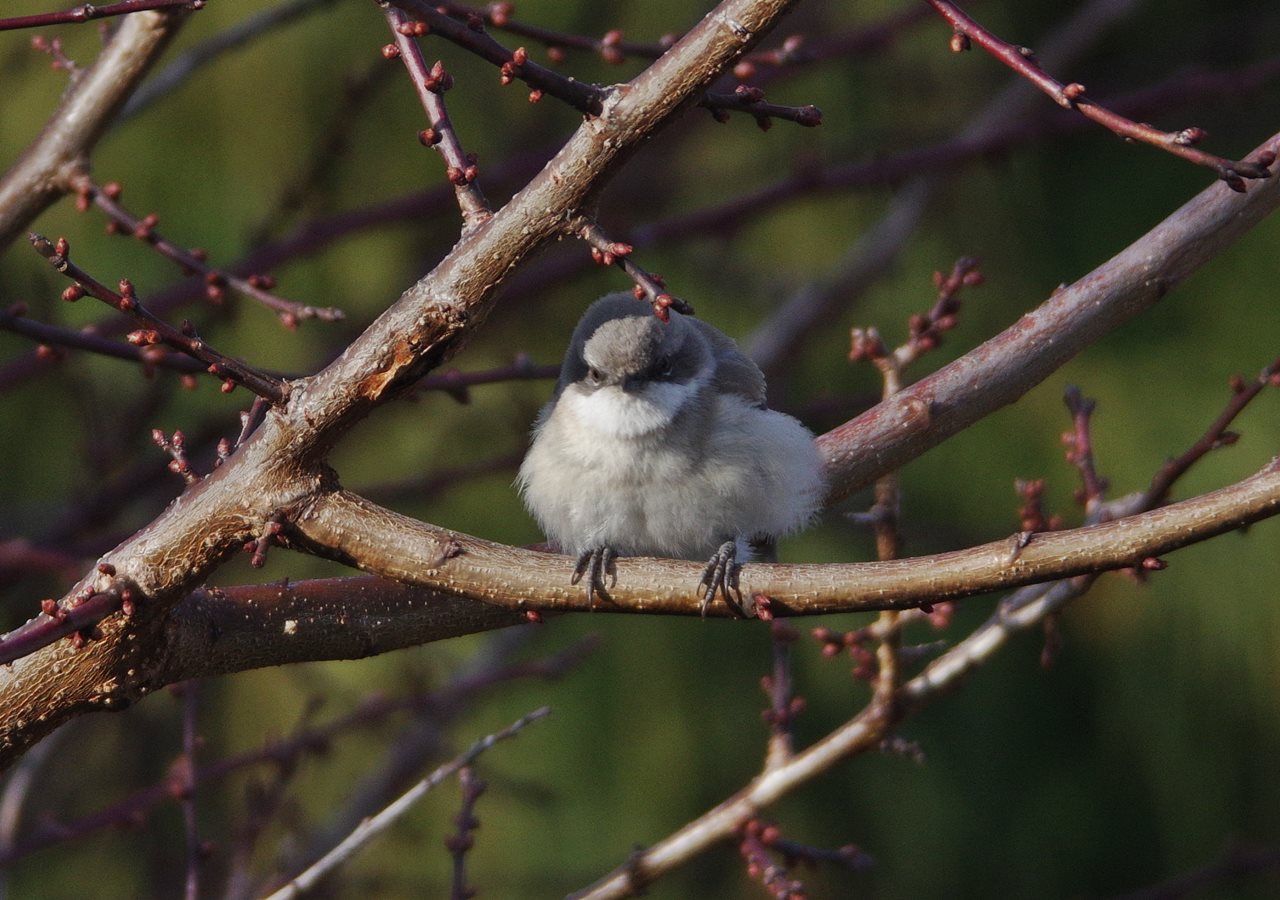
602 471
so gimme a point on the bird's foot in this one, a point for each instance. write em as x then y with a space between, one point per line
595 563
721 574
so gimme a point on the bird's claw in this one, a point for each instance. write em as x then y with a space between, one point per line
595 563
721 574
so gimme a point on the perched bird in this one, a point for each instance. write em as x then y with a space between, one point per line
657 442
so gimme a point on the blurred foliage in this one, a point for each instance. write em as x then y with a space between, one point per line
1147 750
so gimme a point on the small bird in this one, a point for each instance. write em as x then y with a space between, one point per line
657 442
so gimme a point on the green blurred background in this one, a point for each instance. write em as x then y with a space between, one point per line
1149 749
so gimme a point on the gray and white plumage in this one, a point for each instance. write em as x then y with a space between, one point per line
657 442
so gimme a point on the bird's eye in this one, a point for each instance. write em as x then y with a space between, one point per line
594 375
663 366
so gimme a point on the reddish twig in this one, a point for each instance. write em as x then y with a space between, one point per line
468 32
784 706
755 838
258 287
430 85
611 47
1217 435
750 100
439 480
457 384
156 331
1079 447
77 619
650 287
459 843
14 319
87 12
471 36
799 49
1072 96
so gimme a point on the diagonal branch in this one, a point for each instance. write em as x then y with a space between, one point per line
46 169
1016 360
1072 96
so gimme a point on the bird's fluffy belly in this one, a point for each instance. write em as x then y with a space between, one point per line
644 496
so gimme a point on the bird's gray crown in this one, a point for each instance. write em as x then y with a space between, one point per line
621 339
632 345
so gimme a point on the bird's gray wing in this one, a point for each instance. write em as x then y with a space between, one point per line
735 373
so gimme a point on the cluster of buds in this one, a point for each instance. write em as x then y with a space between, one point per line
866 343
1079 446
511 68
748 67
854 643
612 252
463 175
258 548
926 329
610 47
61 62
755 838
412 28
176 447
438 80
1031 515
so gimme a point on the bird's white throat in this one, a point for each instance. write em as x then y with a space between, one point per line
612 412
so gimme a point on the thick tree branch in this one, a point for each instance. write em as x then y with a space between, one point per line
217 631
411 551
1016 360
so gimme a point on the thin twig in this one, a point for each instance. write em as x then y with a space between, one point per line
187 788
440 135
256 287
1072 96
461 841
375 825
587 98
607 252
155 331
234 37
88 12
84 339
1217 435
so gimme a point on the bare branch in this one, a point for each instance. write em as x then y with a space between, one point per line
440 135
155 330
411 551
88 12
1072 96
257 287
375 825
44 172
1011 363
